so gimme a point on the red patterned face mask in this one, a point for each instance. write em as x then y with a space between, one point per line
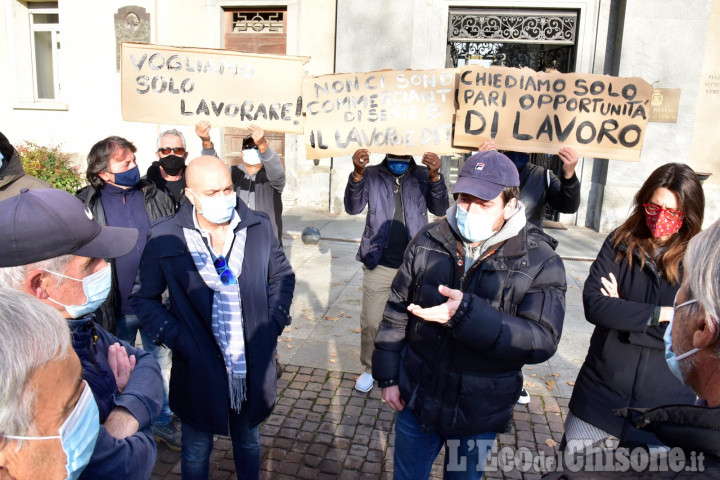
662 226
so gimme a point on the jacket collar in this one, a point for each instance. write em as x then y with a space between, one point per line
248 218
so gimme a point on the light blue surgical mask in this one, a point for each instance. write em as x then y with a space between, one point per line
78 433
218 209
96 287
672 360
474 227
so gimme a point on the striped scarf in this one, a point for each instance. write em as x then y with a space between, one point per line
227 320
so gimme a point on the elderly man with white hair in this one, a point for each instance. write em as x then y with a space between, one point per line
48 416
54 251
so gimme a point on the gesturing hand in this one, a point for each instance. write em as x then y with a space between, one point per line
440 313
121 365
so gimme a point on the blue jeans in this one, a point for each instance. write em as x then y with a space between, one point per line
197 446
415 451
127 327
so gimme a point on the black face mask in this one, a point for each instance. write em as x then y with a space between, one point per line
172 164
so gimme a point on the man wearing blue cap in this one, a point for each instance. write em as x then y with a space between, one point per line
53 250
480 294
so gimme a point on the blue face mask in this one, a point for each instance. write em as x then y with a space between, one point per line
129 178
673 362
398 167
78 434
520 159
96 287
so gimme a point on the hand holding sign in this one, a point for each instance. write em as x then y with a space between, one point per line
203 130
258 136
360 160
569 159
432 162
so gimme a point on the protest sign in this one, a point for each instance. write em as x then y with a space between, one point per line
528 111
175 85
403 112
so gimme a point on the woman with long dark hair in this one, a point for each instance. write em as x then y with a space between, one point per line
628 296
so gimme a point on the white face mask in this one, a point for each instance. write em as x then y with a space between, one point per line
251 156
218 209
96 287
475 227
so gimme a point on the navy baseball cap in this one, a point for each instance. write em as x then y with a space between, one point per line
486 174
40 224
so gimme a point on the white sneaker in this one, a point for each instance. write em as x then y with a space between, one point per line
364 382
524 397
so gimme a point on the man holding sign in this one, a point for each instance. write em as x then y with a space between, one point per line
398 194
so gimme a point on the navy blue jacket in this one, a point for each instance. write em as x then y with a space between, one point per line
375 190
198 383
133 457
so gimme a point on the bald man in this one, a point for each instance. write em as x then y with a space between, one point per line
223 343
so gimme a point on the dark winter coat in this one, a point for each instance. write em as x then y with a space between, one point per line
157 204
375 191
561 194
625 365
12 174
463 377
693 429
134 456
198 383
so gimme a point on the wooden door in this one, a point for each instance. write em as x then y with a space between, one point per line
254 30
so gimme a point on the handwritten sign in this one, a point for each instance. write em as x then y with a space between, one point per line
402 112
176 85
524 110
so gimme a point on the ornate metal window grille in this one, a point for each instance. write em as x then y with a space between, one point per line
258 22
508 26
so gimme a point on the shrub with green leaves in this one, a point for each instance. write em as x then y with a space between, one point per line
50 165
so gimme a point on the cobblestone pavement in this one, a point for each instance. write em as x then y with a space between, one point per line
322 428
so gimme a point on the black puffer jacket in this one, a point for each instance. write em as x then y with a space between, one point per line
157 205
625 365
562 194
464 377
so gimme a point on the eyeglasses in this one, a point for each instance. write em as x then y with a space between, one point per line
175 150
652 209
226 275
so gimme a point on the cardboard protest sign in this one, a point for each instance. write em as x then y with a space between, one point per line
174 85
403 112
528 111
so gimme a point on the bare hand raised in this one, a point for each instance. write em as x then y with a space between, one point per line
433 164
202 128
